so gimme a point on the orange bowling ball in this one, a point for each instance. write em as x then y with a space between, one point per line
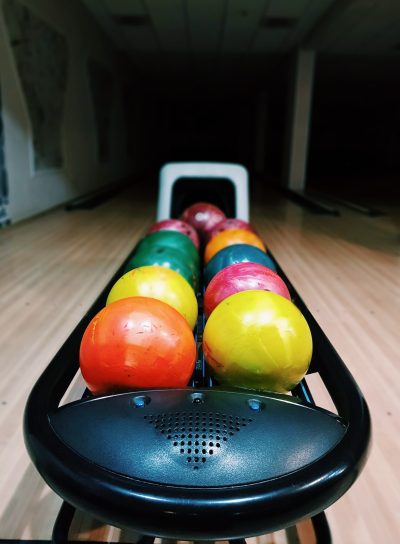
136 343
229 238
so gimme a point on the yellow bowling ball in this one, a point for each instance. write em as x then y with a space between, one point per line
161 283
258 340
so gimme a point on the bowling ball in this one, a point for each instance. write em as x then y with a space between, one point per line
179 226
167 257
160 283
229 223
258 340
242 277
203 216
134 343
172 239
229 238
238 253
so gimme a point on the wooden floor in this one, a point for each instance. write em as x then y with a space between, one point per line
346 268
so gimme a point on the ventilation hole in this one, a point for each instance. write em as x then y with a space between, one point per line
182 436
203 459
189 435
217 438
231 434
189 443
175 443
218 445
203 443
211 452
196 436
203 452
182 450
182 443
189 459
196 459
189 450
243 424
203 436
224 439
196 443
196 451
169 437
211 444
196 467
145 417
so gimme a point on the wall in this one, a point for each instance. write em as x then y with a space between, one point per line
42 175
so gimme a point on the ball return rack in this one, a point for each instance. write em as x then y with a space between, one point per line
202 462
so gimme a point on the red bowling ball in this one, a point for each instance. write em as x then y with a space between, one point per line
179 226
203 216
242 277
229 223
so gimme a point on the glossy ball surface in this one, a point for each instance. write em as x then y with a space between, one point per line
242 277
167 257
238 253
228 224
203 216
136 343
178 226
258 340
231 237
171 239
161 283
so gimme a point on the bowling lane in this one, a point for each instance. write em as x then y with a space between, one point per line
346 269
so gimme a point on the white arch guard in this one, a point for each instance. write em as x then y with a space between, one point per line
173 171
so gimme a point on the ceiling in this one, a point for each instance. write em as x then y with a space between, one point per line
245 38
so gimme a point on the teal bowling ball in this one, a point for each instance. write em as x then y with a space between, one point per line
238 253
171 239
168 257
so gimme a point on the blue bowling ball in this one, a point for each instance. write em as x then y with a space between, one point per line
238 253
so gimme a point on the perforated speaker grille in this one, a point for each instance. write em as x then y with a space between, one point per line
197 435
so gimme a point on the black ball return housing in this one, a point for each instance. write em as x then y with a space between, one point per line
203 462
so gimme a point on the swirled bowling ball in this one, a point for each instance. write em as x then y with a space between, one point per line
238 253
229 238
242 277
258 340
160 283
179 226
203 216
227 224
136 343
172 239
167 257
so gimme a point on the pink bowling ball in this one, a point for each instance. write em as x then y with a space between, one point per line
179 226
229 223
242 277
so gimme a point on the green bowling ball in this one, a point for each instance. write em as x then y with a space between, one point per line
168 257
171 239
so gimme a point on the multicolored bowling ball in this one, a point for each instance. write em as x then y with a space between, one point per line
238 253
179 226
229 238
227 224
203 216
136 343
258 340
160 283
172 239
167 257
242 277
